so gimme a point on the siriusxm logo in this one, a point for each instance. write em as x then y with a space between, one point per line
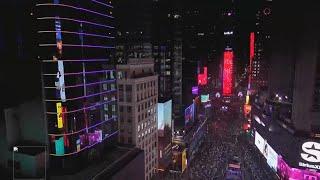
311 152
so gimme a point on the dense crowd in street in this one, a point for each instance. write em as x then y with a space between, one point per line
254 165
218 148
222 142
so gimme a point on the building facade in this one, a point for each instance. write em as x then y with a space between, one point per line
76 43
167 53
262 45
295 79
137 107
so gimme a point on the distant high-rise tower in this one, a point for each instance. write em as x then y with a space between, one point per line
138 98
262 45
76 43
134 20
295 65
167 52
229 47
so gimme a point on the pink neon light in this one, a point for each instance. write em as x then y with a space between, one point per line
227 73
251 46
251 59
202 78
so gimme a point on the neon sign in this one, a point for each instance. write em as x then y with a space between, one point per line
227 73
195 90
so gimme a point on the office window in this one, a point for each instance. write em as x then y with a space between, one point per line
128 88
129 109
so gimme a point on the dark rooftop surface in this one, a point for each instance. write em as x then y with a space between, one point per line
114 161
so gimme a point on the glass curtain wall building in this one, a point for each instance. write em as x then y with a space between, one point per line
76 44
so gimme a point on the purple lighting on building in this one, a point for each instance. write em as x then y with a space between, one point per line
195 90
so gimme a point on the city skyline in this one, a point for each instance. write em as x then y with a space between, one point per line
160 89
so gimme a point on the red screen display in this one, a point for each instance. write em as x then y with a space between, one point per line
227 73
202 78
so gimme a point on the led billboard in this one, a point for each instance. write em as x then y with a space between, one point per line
205 98
227 73
189 114
59 115
202 78
259 141
164 117
272 158
286 172
266 150
251 46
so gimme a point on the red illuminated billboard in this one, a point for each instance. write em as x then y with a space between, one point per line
251 46
227 73
202 78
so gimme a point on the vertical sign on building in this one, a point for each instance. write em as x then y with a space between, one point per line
251 46
61 84
227 73
59 115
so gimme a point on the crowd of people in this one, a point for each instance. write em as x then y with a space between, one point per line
213 156
224 141
254 165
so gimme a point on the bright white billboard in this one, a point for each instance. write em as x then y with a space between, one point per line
164 116
266 150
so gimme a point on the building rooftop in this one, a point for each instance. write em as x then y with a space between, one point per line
114 161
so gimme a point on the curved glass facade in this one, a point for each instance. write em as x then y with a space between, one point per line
76 42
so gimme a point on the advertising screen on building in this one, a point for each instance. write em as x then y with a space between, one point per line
266 150
259 141
202 78
204 98
164 117
272 158
59 115
227 73
189 114
286 172
251 46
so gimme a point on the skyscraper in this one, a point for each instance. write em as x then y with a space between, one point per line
286 122
76 43
134 23
167 52
229 46
262 45
138 98
298 79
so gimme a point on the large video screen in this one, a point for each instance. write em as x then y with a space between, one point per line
164 117
259 141
266 150
189 114
202 78
286 172
272 158
227 73
204 98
